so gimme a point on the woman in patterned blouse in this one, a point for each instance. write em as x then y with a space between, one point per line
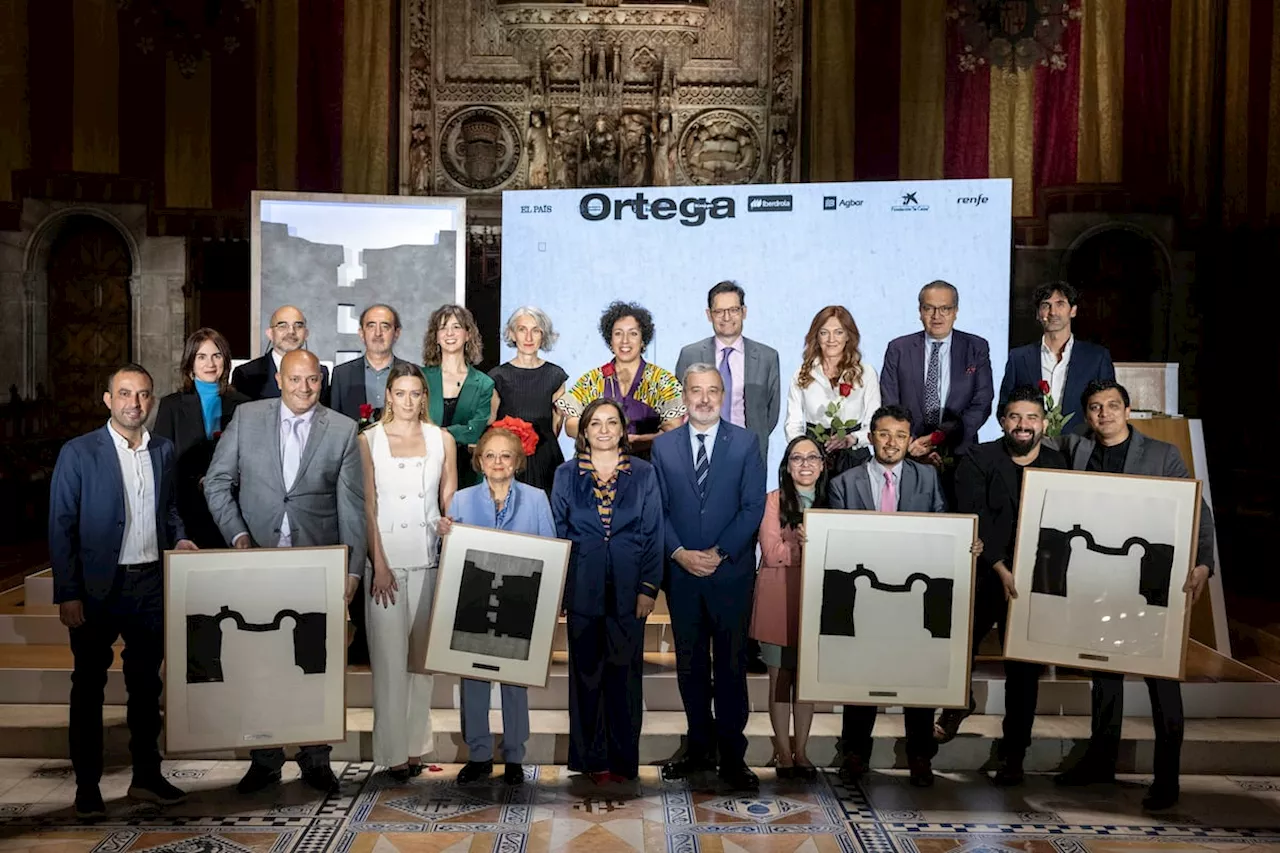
607 504
650 397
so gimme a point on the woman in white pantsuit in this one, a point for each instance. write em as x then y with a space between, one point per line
410 473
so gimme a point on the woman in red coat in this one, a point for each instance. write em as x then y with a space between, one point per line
775 618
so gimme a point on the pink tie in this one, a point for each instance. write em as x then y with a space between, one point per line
888 498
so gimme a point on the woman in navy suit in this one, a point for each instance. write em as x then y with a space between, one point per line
607 503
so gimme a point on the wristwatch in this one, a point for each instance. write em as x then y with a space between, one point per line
721 553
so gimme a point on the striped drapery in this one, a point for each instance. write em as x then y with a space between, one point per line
287 101
1134 104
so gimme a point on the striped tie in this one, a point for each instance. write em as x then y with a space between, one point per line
702 465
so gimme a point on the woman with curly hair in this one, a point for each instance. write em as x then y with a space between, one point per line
651 398
833 384
459 394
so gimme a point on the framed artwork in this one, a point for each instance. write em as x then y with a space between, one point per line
497 601
1099 564
255 648
886 608
333 255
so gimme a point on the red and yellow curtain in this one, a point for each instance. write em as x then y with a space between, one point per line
297 96
1135 103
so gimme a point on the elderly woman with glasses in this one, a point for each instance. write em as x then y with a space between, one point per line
775 617
498 501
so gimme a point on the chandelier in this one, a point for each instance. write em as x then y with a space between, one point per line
1012 35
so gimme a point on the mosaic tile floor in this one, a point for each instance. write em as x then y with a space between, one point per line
556 812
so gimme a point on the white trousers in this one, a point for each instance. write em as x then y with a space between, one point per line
398 639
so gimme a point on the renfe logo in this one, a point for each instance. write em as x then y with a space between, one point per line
759 203
974 200
595 207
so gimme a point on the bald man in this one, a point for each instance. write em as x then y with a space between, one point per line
287 332
287 473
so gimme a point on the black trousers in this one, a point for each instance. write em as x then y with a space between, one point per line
134 610
606 696
309 757
859 720
1021 679
1166 716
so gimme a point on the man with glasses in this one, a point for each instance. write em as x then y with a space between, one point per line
287 332
942 376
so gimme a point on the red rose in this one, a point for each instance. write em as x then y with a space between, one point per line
1044 387
845 389
608 369
937 437
366 411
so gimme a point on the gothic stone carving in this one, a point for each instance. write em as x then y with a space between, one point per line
720 147
480 147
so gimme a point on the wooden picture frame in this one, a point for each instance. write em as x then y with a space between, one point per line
478 630
1099 565
891 558
263 689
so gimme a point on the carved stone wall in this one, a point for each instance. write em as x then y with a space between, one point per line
515 94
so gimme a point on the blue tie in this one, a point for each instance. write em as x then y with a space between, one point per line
702 465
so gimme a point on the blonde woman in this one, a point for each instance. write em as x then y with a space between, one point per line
410 474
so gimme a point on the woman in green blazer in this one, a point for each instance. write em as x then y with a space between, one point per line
458 394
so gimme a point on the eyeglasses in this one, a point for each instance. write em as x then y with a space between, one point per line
494 457
885 435
809 461
721 313
282 326
938 310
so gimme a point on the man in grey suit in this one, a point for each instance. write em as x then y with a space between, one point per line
752 388
271 484
889 482
1114 447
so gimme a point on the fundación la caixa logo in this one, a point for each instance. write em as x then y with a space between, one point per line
596 207
910 203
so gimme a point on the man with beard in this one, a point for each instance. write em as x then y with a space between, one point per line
989 485
287 332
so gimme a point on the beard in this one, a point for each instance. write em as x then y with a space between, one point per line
1022 448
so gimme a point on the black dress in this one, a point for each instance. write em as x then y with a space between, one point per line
526 393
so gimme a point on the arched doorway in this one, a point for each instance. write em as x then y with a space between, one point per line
1123 278
89 318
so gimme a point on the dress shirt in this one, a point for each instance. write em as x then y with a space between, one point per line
304 431
139 544
1053 371
375 383
711 440
275 359
738 370
875 473
809 405
944 365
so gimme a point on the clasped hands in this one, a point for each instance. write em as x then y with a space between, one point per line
698 563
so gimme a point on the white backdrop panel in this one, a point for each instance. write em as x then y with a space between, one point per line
794 248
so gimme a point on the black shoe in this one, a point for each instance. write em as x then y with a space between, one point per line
1010 775
786 773
415 769
513 774
400 774
948 725
683 768
805 773
474 771
1086 772
256 779
852 768
322 779
739 778
89 805
156 789
921 772
1159 797
757 666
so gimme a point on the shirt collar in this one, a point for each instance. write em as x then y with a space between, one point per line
881 470
1066 350
736 346
710 433
946 342
275 359
368 366
122 443
286 414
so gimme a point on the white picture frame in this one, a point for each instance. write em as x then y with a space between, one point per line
1148 528
927 555
519 652
228 685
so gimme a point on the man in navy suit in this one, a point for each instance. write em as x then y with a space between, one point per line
712 481
113 510
287 332
941 376
1065 364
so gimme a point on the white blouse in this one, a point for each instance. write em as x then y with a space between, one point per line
809 405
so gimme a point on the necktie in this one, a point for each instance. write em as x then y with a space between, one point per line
932 399
702 465
888 497
726 408
292 455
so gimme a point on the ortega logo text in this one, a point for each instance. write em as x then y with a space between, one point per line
975 200
596 207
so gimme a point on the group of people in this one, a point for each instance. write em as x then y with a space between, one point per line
665 490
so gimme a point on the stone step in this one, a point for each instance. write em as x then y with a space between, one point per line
1239 747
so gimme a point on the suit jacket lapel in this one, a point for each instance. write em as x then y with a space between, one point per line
435 392
157 477
907 486
686 456
272 426
915 367
751 364
319 422
1079 460
270 388
1137 448
111 462
718 454
959 363
1031 365
862 484
355 385
467 395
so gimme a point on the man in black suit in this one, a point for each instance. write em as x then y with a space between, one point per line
287 332
989 485
1065 365
363 381
942 376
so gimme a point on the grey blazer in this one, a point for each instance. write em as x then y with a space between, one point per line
244 485
762 395
1153 458
918 489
